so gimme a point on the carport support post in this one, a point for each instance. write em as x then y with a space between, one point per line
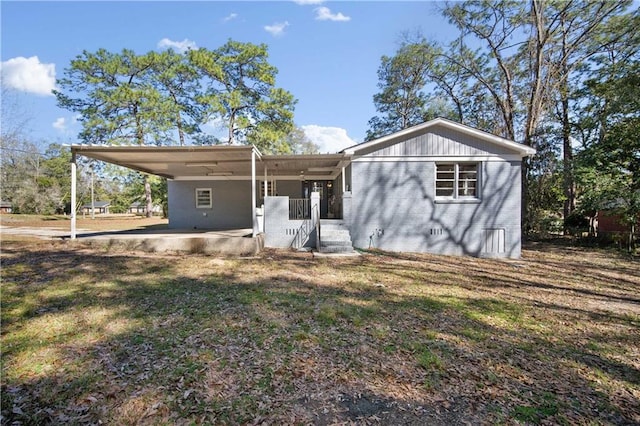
73 195
254 219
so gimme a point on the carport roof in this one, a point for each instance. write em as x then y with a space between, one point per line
216 162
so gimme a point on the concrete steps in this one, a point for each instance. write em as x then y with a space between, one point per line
334 237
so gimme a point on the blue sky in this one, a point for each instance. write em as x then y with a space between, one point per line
327 53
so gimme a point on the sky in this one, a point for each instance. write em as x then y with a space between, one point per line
327 53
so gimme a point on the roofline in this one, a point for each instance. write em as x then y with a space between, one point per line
135 148
339 155
523 150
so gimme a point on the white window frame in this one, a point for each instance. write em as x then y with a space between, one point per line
200 192
456 196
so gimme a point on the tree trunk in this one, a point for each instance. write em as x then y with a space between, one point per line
180 131
535 104
525 220
567 157
147 185
567 150
231 124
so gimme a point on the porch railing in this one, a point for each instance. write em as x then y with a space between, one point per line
299 208
308 227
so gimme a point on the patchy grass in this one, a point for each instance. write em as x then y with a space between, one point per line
285 338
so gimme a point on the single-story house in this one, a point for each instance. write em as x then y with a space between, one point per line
99 207
141 208
6 207
438 187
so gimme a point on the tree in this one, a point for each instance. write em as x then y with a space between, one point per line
524 82
401 100
239 88
35 182
574 32
117 100
516 63
611 163
176 78
55 180
300 143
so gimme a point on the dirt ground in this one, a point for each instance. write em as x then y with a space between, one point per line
24 227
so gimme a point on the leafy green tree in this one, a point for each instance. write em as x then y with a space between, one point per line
55 180
401 101
573 32
176 78
544 181
240 89
611 163
36 182
117 100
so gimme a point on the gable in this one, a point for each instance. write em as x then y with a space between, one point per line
441 138
439 142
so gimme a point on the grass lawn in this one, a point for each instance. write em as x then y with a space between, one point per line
91 336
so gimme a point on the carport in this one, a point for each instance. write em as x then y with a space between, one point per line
227 163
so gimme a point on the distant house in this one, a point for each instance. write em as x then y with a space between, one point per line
141 208
100 207
137 208
6 207
610 223
438 187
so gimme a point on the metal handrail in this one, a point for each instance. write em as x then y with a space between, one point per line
305 229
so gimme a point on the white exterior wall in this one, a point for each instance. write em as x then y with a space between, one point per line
394 208
231 207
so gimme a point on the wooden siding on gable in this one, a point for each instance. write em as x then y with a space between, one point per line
439 142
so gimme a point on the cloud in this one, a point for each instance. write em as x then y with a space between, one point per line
324 14
306 2
60 124
230 17
277 29
66 125
329 139
178 46
29 75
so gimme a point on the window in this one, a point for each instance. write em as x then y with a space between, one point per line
457 180
203 198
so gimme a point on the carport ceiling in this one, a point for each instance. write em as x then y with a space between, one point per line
215 162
